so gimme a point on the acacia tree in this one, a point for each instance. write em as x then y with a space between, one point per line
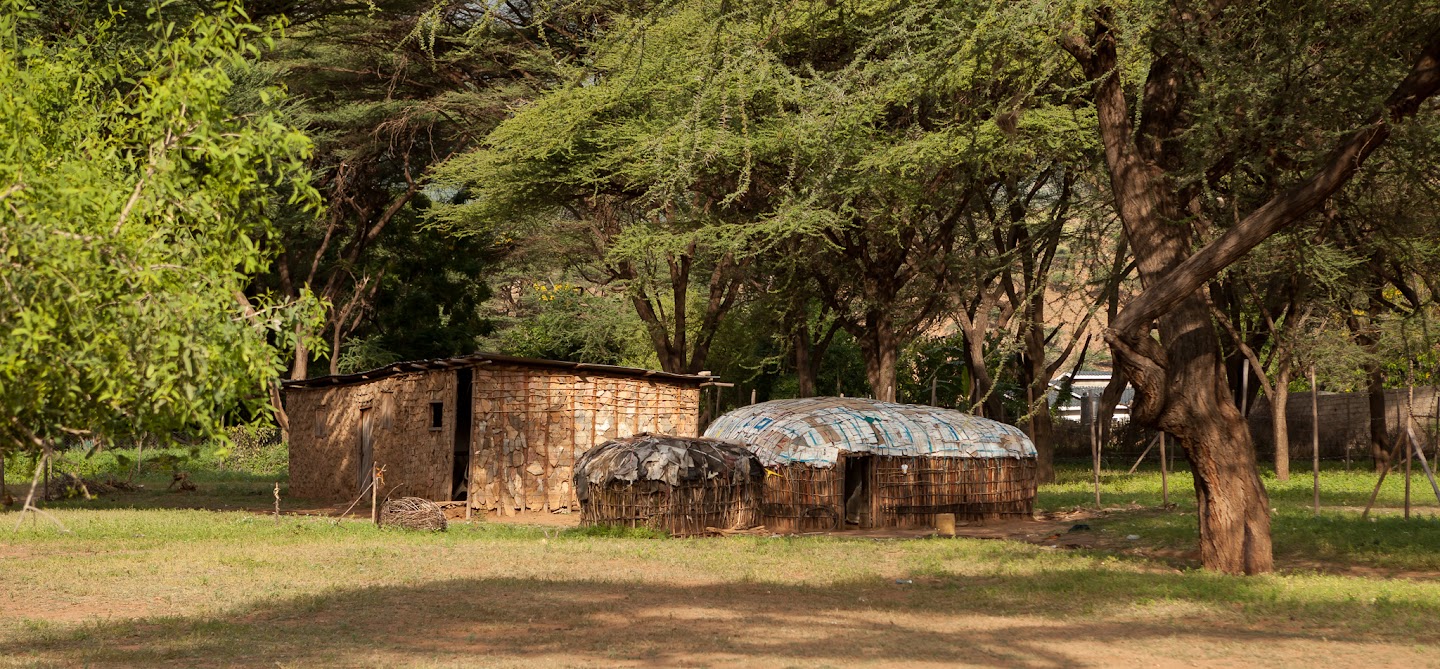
388 89
643 169
132 198
910 188
1150 150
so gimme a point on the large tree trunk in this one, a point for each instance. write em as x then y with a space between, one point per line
881 350
1190 399
805 370
982 391
809 353
1178 381
1178 384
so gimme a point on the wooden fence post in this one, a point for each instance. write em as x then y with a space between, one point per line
375 494
1409 411
1315 439
1164 476
1095 443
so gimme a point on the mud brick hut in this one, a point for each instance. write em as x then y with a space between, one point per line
502 433
841 461
683 485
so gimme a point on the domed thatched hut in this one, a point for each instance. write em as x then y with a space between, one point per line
679 484
849 461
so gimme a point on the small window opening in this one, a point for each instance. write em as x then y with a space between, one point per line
437 415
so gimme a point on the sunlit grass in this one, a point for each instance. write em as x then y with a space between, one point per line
135 583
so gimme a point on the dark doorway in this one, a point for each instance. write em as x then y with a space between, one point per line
367 449
460 477
857 490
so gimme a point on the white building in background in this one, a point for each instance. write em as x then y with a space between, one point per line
1087 384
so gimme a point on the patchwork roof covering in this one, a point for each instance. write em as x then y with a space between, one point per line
657 457
817 430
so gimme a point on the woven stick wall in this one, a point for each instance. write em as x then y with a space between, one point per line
679 484
909 491
683 510
801 498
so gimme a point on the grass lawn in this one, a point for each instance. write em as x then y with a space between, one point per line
141 581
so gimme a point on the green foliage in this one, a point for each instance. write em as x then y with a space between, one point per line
564 322
132 204
256 449
387 90
431 288
937 360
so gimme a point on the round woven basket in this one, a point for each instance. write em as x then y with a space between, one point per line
413 513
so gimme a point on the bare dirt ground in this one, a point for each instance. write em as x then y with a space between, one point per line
481 619
288 600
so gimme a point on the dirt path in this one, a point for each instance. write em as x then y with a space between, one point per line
488 622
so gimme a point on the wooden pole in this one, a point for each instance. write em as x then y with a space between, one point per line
1424 463
1408 451
1417 446
752 395
1384 469
1245 389
375 495
1164 476
1095 448
1145 453
934 382
1315 439
1029 411
277 502
1409 411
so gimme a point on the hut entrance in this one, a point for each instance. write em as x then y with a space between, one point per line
857 489
460 475
367 448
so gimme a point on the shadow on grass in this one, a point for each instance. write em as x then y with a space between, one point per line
1050 619
1334 542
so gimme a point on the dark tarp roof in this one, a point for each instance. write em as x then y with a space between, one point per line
476 359
658 457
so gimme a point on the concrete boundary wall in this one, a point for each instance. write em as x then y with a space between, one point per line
1344 421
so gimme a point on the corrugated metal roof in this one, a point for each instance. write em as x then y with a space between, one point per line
476 359
817 430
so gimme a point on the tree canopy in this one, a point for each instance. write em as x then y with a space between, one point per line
131 207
